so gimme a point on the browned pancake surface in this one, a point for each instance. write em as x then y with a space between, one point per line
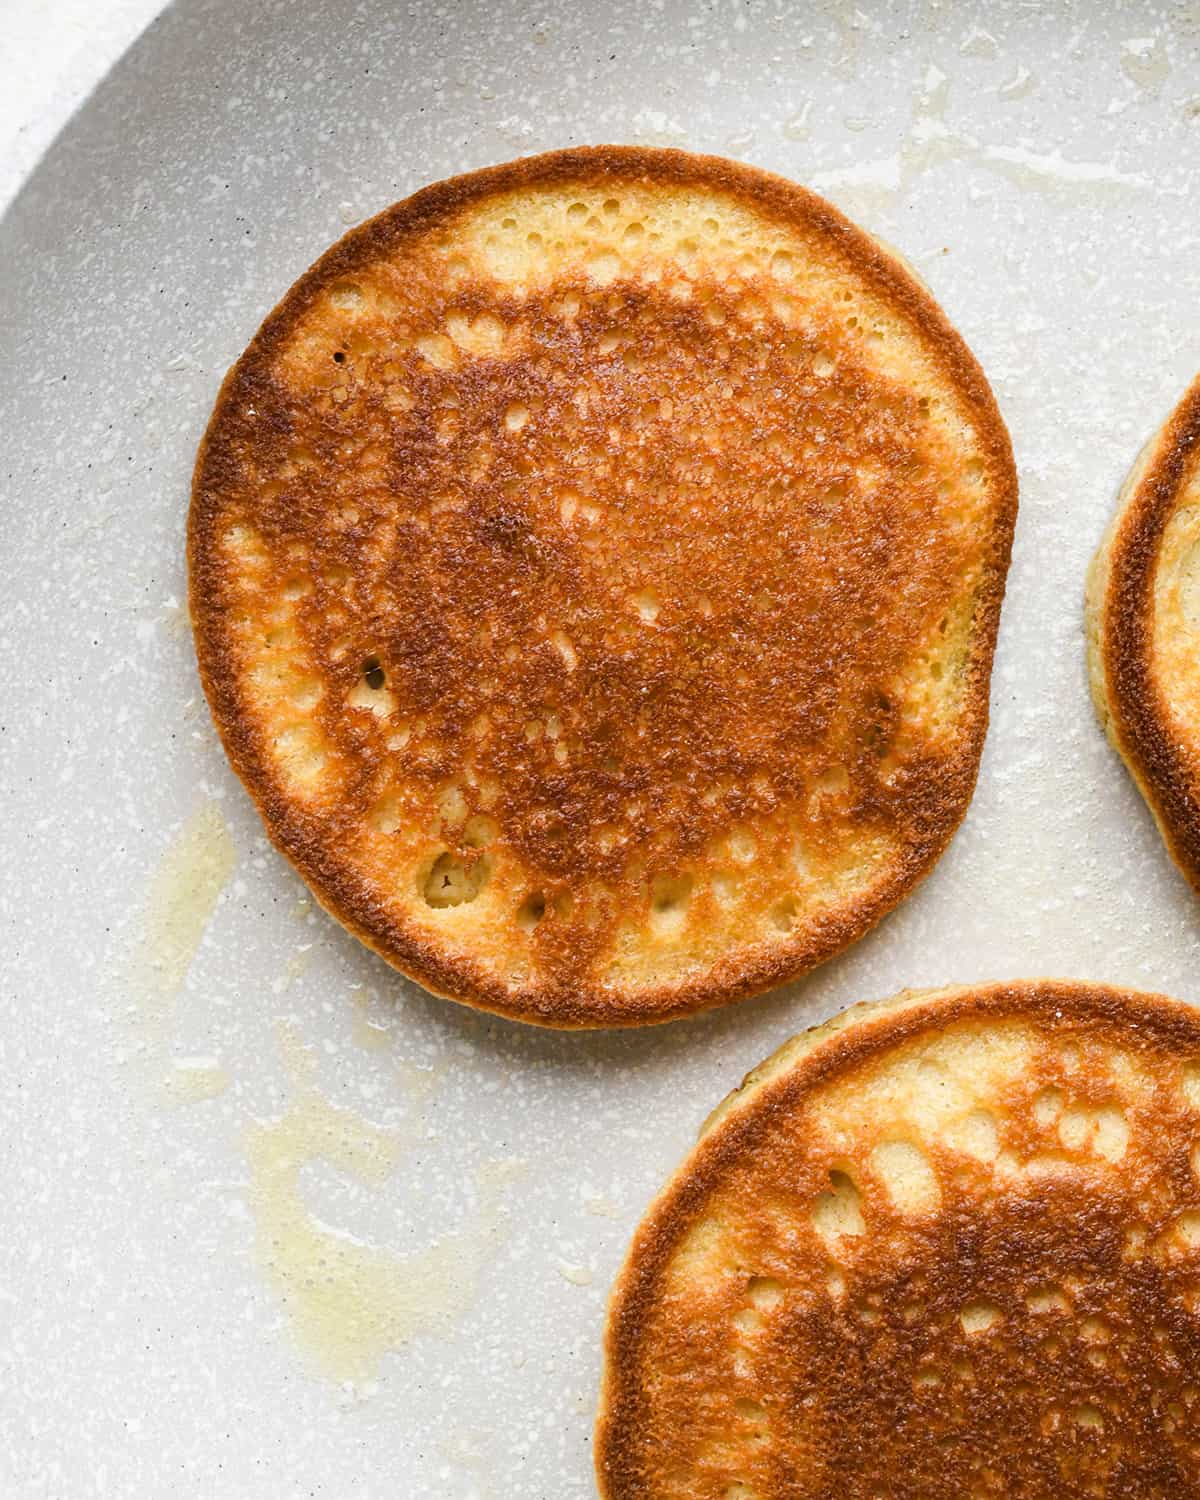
951 1249
595 565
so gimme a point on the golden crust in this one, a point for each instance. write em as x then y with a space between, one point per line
621 758
1128 610
946 1245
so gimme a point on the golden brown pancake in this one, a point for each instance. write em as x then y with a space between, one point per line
946 1246
595 569
1143 623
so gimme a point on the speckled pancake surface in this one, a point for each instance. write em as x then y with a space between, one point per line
1143 616
945 1246
595 569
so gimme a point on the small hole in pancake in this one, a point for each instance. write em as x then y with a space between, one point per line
784 914
516 417
577 211
1089 1417
670 893
647 605
509 223
978 1317
373 673
837 1212
531 911
339 357
765 1292
634 231
437 349
822 365
612 207
833 779
1095 1331
452 882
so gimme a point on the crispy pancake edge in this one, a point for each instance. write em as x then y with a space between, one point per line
769 1090
336 886
1119 615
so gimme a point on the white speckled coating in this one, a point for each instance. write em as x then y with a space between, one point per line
1040 165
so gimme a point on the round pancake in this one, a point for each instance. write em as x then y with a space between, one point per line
946 1246
1143 626
595 565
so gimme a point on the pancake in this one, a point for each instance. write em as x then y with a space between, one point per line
595 566
946 1246
1143 627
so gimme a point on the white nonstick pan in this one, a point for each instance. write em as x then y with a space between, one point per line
277 1223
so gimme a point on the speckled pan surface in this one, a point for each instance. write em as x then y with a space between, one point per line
279 1224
